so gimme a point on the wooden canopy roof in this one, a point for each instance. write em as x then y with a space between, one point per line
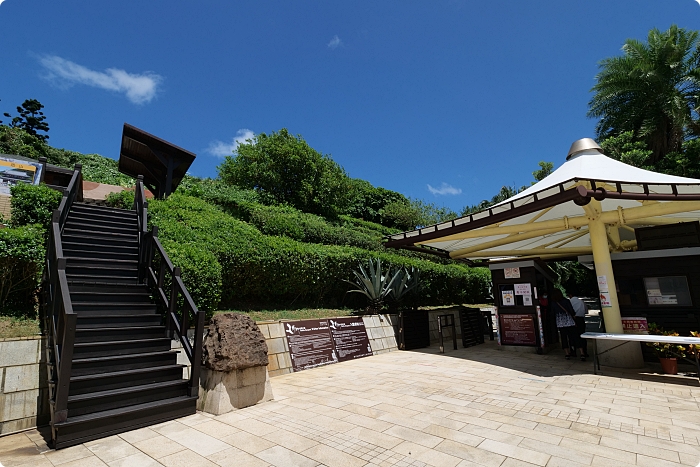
162 164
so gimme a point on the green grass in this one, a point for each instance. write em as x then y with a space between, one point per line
16 327
305 313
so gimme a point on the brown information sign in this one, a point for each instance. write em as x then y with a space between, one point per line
350 338
310 344
518 329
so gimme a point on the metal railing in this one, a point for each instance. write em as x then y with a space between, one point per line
158 272
59 315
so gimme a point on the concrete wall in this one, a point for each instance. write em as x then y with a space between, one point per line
23 386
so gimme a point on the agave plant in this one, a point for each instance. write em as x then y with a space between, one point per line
374 284
405 284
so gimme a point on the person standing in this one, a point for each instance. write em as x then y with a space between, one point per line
564 314
581 310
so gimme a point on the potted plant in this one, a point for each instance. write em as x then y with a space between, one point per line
667 353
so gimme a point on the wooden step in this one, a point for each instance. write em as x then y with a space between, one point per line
124 397
105 279
110 297
109 288
102 272
124 378
102 308
85 253
95 365
83 428
120 347
96 232
108 222
88 226
102 210
86 321
101 240
111 334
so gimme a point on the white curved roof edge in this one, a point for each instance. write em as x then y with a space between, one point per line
593 165
585 165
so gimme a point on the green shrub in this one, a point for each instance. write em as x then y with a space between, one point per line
122 200
201 273
289 222
101 169
284 169
265 270
33 204
22 255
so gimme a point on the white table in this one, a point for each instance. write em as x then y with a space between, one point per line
678 340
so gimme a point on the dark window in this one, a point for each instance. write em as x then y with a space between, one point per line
667 291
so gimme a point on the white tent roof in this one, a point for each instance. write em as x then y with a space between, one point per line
548 220
592 165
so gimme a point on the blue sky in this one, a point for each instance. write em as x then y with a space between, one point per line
441 100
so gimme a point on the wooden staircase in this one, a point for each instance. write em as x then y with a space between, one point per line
111 367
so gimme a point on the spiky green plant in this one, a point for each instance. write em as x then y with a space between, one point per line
406 283
374 284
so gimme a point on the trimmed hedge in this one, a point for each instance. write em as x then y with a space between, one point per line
22 254
122 200
33 204
270 270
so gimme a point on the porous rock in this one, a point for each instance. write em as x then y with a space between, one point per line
234 342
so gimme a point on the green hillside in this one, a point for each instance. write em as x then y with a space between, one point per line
258 238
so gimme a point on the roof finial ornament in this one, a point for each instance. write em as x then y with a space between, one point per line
583 144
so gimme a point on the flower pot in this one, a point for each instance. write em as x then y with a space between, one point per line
669 365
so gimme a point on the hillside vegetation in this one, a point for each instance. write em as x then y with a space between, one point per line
242 245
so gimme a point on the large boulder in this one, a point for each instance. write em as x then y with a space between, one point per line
234 342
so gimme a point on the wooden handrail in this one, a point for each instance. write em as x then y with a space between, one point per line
168 289
61 320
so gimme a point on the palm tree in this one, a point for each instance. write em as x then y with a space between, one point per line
653 90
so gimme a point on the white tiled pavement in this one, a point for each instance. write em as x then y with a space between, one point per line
471 407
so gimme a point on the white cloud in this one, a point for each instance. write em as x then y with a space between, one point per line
221 149
444 189
138 88
335 42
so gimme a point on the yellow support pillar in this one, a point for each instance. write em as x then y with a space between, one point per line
603 267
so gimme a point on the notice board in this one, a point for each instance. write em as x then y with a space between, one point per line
517 329
310 344
315 343
350 338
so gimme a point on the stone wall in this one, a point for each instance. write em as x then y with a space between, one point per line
381 331
5 206
23 386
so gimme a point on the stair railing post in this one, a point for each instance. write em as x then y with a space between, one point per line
67 337
79 188
172 306
197 353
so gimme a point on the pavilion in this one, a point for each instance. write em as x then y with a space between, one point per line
591 205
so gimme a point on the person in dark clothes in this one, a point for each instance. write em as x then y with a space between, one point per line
566 324
581 310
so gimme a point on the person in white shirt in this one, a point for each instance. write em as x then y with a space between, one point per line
580 318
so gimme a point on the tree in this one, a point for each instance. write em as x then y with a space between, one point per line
652 90
30 119
284 169
543 172
366 201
